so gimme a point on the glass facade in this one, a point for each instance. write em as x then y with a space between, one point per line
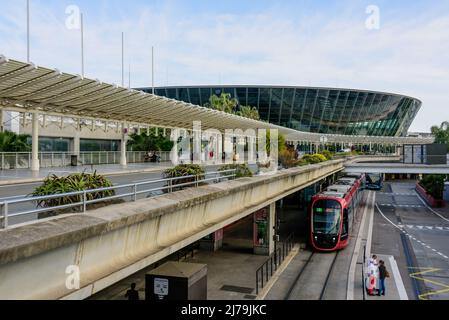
87 145
318 110
48 144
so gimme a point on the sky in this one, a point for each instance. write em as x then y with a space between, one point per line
399 46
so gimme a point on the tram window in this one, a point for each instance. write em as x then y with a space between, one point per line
326 217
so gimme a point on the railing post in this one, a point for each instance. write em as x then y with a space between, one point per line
170 184
17 160
3 161
5 215
135 192
257 281
84 201
196 180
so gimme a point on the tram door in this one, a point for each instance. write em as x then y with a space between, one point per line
344 231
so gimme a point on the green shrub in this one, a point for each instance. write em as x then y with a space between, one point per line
434 185
184 170
242 170
72 183
302 163
314 158
327 154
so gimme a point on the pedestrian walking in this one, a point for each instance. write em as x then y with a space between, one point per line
383 274
371 278
132 294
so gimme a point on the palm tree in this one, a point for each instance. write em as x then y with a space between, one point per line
441 133
224 103
249 112
12 142
149 142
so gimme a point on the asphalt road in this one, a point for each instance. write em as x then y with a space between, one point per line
418 238
14 190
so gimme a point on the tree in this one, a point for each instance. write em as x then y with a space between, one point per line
281 142
149 142
441 133
249 112
224 103
12 142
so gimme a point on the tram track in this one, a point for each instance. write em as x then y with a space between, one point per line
313 278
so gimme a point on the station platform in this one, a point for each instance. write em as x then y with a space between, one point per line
303 277
394 287
231 276
18 176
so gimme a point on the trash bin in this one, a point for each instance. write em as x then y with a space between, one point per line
74 160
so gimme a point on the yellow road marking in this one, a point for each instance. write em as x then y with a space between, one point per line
426 271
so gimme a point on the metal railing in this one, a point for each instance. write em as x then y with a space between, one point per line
86 197
270 266
22 160
363 273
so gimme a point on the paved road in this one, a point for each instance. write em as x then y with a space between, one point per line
418 238
122 179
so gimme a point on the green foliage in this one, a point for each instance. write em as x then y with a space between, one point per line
281 142
314 158
224 103
151 142
302 163
12 142
327 154
434 185
72 183
184 170
249 112
242 170
441 133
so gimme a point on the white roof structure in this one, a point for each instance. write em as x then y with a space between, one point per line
27 88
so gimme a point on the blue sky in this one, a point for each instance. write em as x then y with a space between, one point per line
319 43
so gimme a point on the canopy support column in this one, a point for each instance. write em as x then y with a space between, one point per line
35 143
123 161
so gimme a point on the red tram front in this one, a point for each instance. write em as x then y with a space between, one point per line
332 212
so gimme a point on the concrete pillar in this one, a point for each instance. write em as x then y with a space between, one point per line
123 161
76 144
264 230
35 143
212 242
1 120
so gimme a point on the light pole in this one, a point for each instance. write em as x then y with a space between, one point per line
152 70
82 44
123 59
28 31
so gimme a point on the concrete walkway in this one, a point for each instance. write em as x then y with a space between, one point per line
27 176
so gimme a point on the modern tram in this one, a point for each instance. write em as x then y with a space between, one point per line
331 213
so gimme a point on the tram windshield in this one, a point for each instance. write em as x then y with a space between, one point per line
326 217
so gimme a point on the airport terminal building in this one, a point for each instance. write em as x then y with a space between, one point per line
311 109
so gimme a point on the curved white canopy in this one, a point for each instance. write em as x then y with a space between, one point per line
27 88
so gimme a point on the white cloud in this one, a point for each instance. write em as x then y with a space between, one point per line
404 56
